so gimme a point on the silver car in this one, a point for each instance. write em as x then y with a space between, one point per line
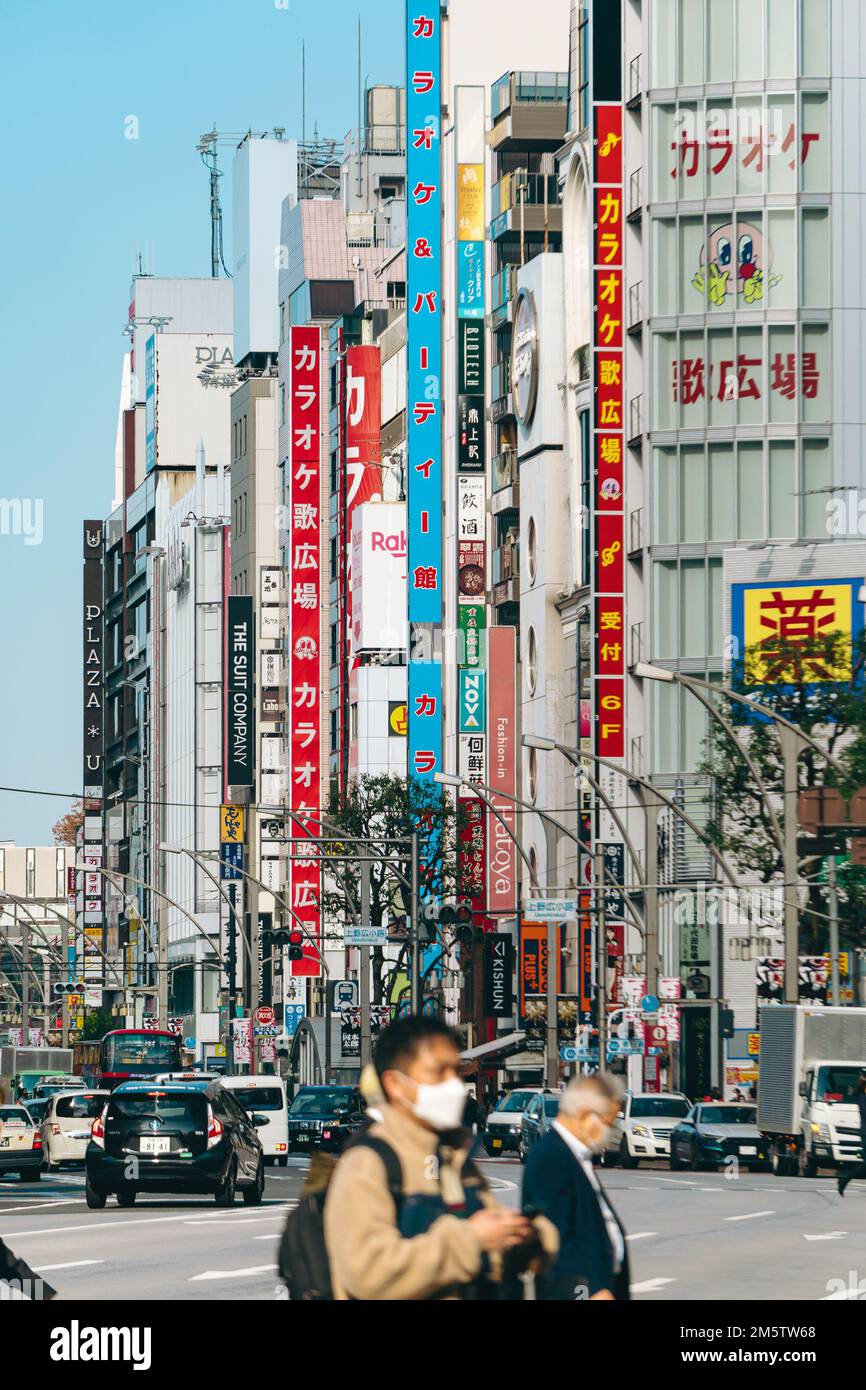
643 1126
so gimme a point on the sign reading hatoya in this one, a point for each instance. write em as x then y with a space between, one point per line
305 618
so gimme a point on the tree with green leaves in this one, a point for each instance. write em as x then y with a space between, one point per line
816 684
97 1022
385 810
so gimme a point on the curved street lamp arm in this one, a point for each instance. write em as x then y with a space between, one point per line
224 895
20 954
111 874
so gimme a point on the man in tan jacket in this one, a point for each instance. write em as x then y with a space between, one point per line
441 1233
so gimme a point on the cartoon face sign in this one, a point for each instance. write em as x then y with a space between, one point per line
737 260
610 489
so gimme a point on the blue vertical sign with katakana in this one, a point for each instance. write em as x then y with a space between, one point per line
424 385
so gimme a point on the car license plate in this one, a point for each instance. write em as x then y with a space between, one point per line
302 1138
151 1145
497 1143
748 1149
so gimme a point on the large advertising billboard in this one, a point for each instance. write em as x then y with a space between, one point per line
502 770
770 620
379 577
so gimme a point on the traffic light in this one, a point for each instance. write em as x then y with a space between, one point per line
296 943
463 933
726 1022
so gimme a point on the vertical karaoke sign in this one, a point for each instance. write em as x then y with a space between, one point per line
609 431
305 619
424 387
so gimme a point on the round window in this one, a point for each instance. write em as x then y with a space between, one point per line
533 774
532 549
531 661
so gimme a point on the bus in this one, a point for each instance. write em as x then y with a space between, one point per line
126 1054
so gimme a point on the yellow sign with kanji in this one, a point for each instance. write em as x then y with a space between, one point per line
231 825
754 1041
470 202
777 617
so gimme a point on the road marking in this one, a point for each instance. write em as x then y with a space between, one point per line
70 1264
678 1182
112 1225
502 1185
642 1235
232 1273
38 1206
272 1235
750 1215
241 1221
650 1285
831 1235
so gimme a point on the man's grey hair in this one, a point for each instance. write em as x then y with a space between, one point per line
597 1094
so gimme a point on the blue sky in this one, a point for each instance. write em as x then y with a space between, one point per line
79 198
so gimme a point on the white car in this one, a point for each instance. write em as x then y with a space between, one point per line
505 1124
264 1099
20 1144
643 1126
66 1125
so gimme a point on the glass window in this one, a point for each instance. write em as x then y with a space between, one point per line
720 41
664 259
666 605
664 413
715 590
815 38
515 1102
814 152
693 289
749 40
783 375
815 259
645 1107
782 486
324 1100
778 266
815 374
816 475
721 149
781 148
750 492
749 376
664 30
665 714
667 151
722 379
690 383
694 608
782 38
693 494
79 1107
691 43
665 493
723 493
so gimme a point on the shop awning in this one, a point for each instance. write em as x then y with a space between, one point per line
494 1051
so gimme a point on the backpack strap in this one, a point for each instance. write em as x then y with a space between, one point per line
391 1163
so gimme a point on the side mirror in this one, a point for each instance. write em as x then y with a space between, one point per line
804 1090
258 1119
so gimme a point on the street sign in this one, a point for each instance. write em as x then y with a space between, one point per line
365 936
344 994
231 860
624 1047
264 1014
550 909
649 1004
292 1015
583 1054
754 1044
570 1054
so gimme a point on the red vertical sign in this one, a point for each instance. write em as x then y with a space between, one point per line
305 604
501 769
363 451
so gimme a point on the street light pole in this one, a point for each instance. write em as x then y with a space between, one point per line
415 925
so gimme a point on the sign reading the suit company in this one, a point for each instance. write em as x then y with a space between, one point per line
240 710
424 385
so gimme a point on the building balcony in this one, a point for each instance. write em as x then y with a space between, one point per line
635 308
635 421
506 482
506 562
635 531
530 201
500 382
634 83
529 111
635 196
503 290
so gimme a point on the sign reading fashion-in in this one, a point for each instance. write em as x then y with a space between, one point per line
240 707
502 769
305 621
424 386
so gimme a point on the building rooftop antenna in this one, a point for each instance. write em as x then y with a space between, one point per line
209 155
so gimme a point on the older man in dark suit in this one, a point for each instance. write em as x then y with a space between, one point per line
561 1184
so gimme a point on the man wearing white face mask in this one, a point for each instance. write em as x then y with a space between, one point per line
561 1182
428 1228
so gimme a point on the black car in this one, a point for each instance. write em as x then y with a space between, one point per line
325 1117
538 1118
714 1132
179 1137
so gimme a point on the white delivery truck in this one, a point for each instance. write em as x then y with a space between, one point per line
808 1073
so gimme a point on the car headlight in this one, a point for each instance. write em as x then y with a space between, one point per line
641 1130
514 1129
822 1132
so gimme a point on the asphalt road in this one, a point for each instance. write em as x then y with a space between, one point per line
691 1237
